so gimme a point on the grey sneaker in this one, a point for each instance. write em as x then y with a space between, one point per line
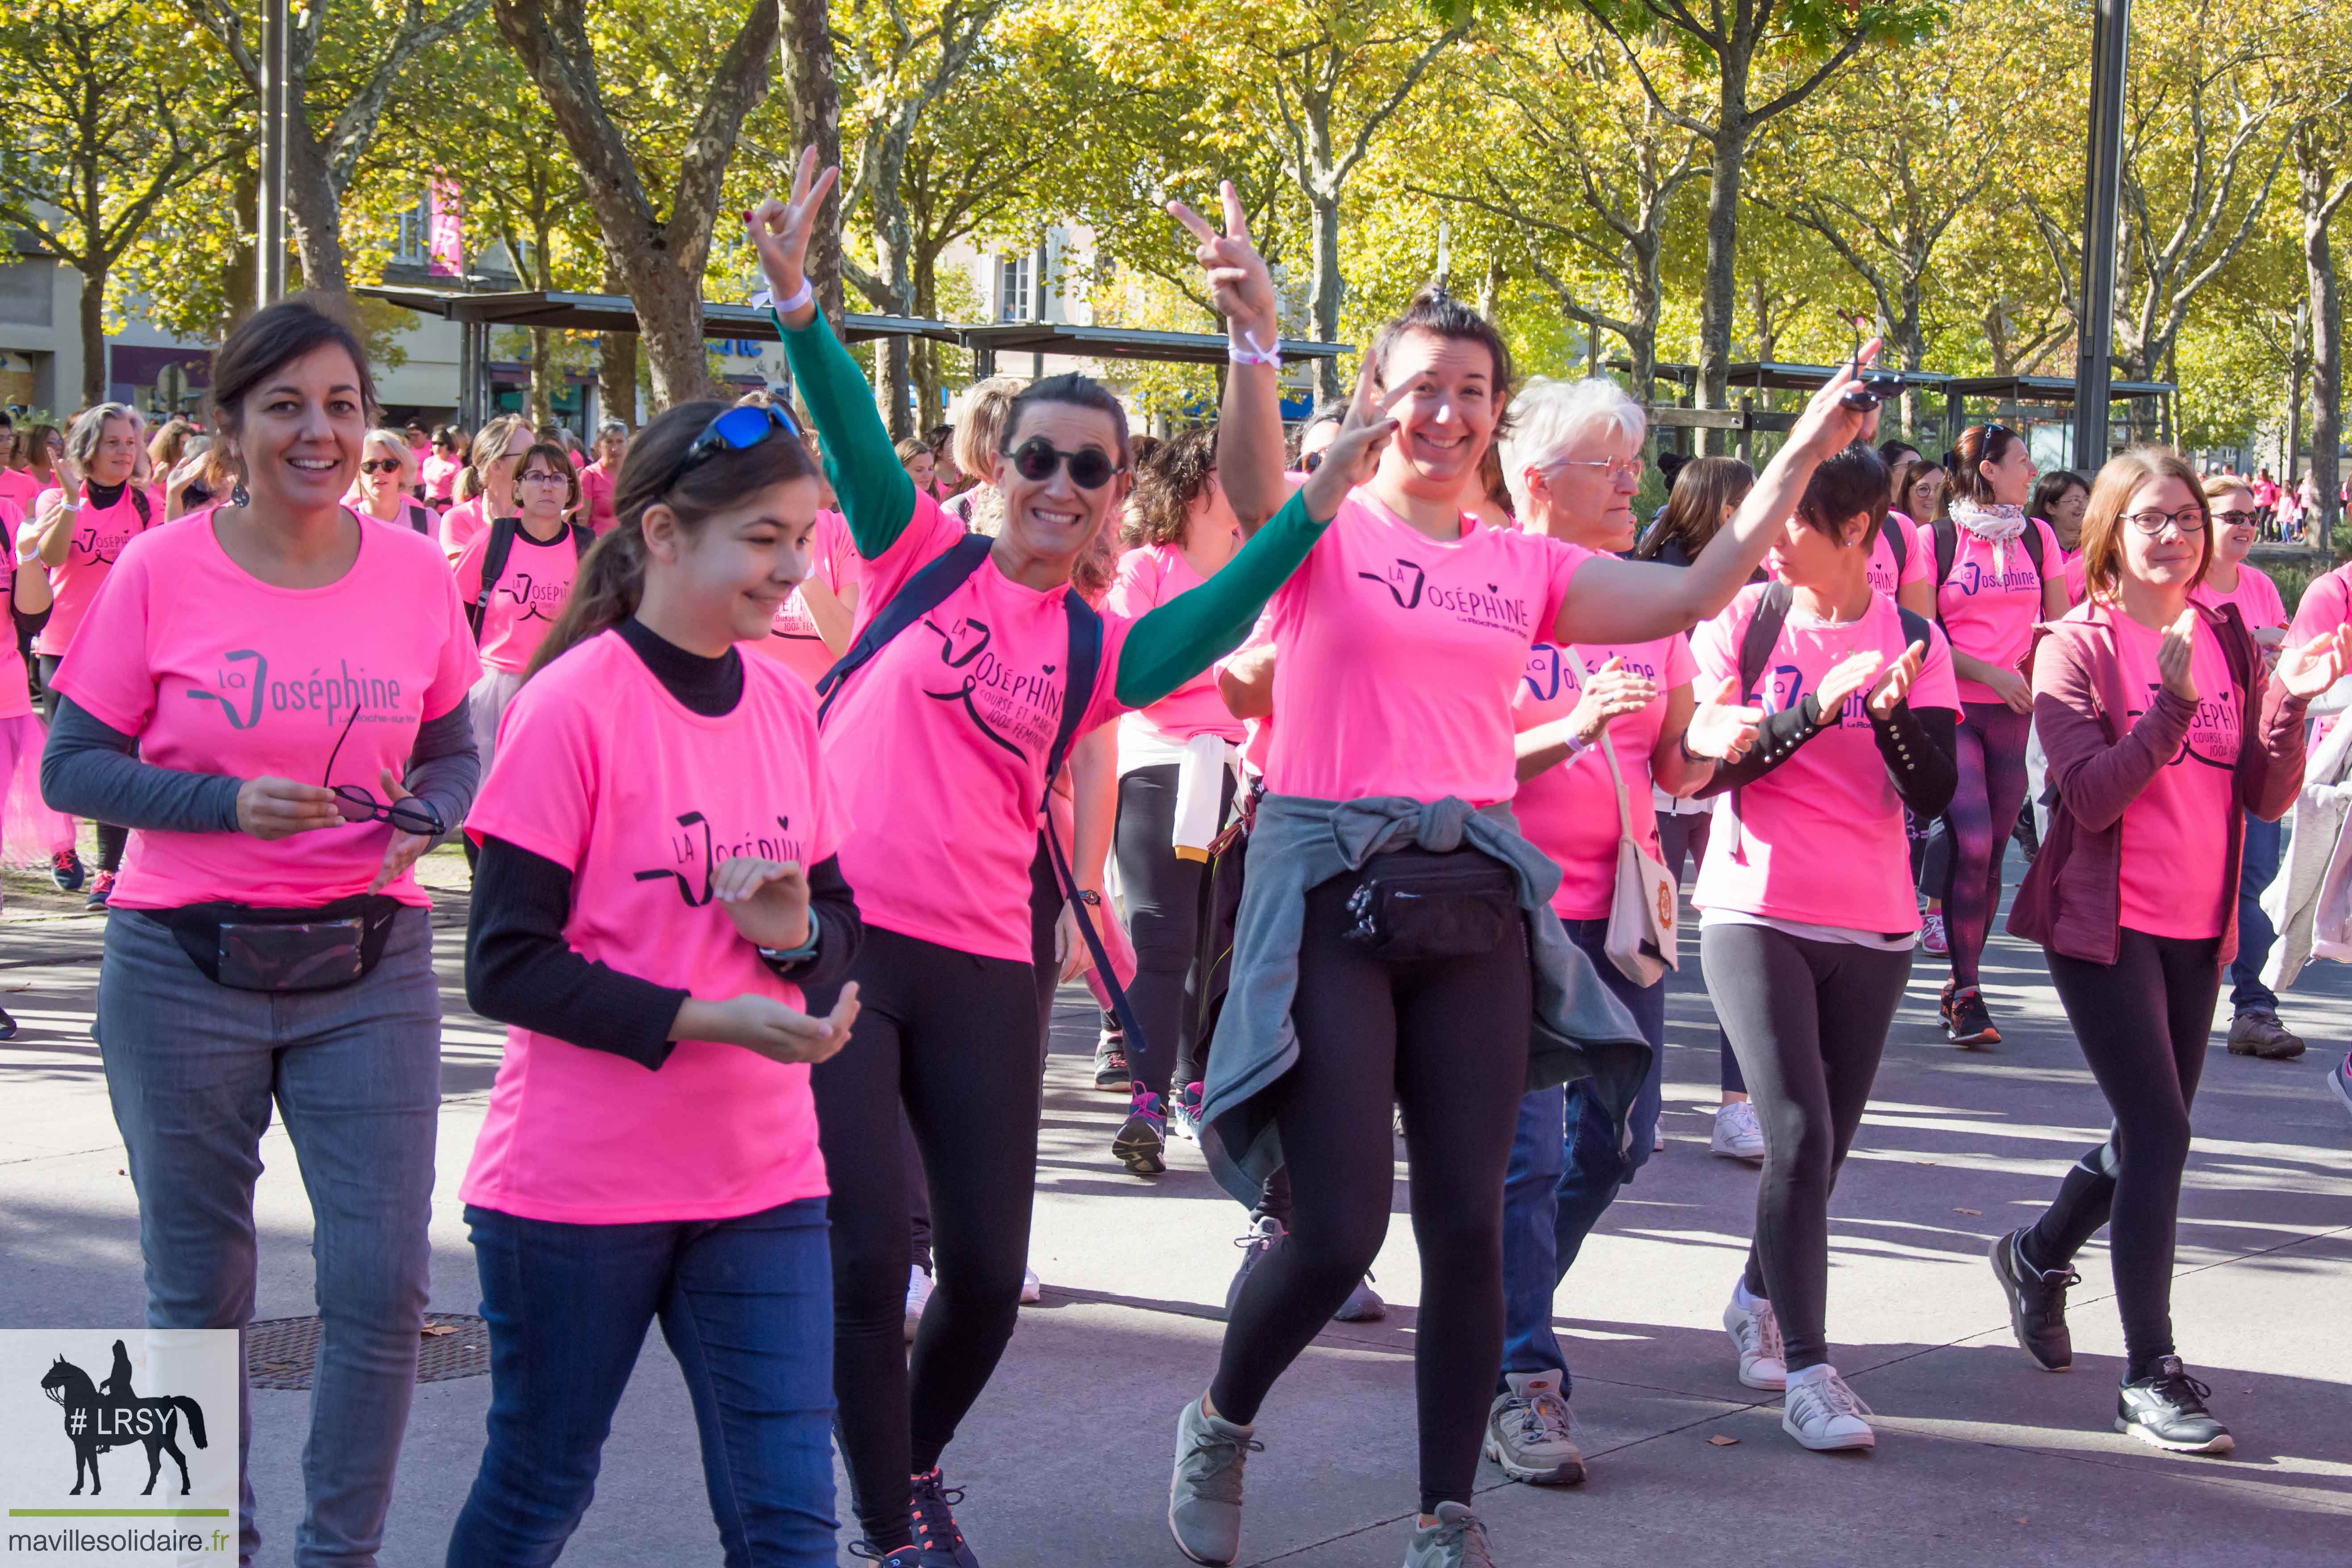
1456 1540
2258 1032
1204 1495
1363 1305
1527 1432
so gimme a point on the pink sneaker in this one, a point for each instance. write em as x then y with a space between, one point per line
1931 934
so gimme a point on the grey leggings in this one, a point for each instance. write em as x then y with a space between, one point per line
1808 1021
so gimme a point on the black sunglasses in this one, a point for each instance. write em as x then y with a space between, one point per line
1036 458
738 430
380 466
358 804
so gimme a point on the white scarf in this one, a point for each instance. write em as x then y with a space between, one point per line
1996 525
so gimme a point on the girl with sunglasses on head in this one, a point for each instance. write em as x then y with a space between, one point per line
940 741
515 579
1397 647
657 891
2164 731
387 472
2000 573
270 694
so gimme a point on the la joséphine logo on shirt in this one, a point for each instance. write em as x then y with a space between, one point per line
244 689
696 849
538 601
2214 734
1972 578
1548 673
101 546
1483 605
1015 708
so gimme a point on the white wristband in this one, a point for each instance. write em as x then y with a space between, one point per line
804 295
1248 352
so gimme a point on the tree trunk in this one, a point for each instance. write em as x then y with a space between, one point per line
813 107
242 284
2327 348
1326 288
2292 463
313 212
924 356
542 342
1717 296
93 335
616 361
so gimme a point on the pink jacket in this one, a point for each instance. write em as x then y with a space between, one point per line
2071 900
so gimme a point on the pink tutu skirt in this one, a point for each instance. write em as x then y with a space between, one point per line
30 831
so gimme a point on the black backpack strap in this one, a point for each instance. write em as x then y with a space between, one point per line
145 508
1898 540
922 595
1763 631
1947 547
494 567
420 518
1915 627
584 539
2033 547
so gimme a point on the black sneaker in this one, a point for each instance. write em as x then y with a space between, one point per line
1141 1143
2167 1411
1110 1063
2037 1304
1966 1022
905 1557
938 1543
7 1025
65 870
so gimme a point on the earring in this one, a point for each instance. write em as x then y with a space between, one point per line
237 496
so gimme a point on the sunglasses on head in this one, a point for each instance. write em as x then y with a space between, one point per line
1035 459
380 466
358 802
738 430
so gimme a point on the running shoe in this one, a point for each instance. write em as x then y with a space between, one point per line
1261 1240
1363 1305
1527 1432
1966 1022
1184 1115
1822 1413
1931 933
2257 1032
1110 1063
1737 1134
1657 1139
1033 1289
1141 1144
2167 1410
65 870
102 891
1756 1335
919 1296
2340 1079
1204 1494
905 1557
1458 1540
7 1025
936 1540
2037 1304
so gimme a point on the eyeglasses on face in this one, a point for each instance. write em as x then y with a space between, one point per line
2189 521
1618 467
539 477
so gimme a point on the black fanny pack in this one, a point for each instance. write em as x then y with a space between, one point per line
249 949
1415 903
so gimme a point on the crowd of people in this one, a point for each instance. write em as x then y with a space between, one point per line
777 937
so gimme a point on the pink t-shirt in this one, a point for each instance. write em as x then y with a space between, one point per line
939 744
602 770
1397 654
1146 578
217 672
439 475
1989 614
2176 833
1821 838
1569 812
2078 578
15 697
2256 597
99 536
1917 566
529 594
20 488
793 638
459 524
2327 605
596 498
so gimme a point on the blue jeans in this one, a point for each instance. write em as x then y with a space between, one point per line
746 1306
193 1068
1565 1172
2255 937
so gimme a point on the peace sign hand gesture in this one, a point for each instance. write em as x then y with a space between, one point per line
1350 459
780 231
1240 285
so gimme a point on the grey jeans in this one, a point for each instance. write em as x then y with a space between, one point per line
192 1067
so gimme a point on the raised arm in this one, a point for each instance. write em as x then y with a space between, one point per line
1249 420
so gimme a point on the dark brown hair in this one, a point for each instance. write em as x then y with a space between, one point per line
274 336
1906 474
1073 390
1978 444
1703 488
1440 314
2102 519
612 580
1168 480
1846 484
555 457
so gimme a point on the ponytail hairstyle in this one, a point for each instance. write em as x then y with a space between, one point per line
1703 488
1978 444
1846 484
612 579
1440 314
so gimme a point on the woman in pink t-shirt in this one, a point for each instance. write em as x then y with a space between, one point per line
272 693
657 888
78 530
496 453
2005 575
31 832
439 469
512 611
1807 918
387 467
597 478
1399 643
2163 733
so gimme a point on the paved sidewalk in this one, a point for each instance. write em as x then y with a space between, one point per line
1983 1459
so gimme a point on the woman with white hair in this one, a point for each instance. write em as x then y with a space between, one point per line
381 490
1599 723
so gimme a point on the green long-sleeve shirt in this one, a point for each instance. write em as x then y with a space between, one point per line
1166 647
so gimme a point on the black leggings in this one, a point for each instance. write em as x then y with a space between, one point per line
110 838
1165 911
1681 836
2143 1022
954 1038
1447 1038
1808 1020
1991 740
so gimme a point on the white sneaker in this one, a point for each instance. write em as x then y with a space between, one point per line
1820 1412
919 1294
1033 1289
1932 939
1657 1140
1756 1335
1737 1134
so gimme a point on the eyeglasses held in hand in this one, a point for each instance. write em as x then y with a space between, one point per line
358 802
1036 458
2189 521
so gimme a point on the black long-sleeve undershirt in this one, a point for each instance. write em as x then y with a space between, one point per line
1919 748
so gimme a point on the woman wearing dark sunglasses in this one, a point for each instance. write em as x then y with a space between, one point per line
2164 731
272 696
387 472
939 744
